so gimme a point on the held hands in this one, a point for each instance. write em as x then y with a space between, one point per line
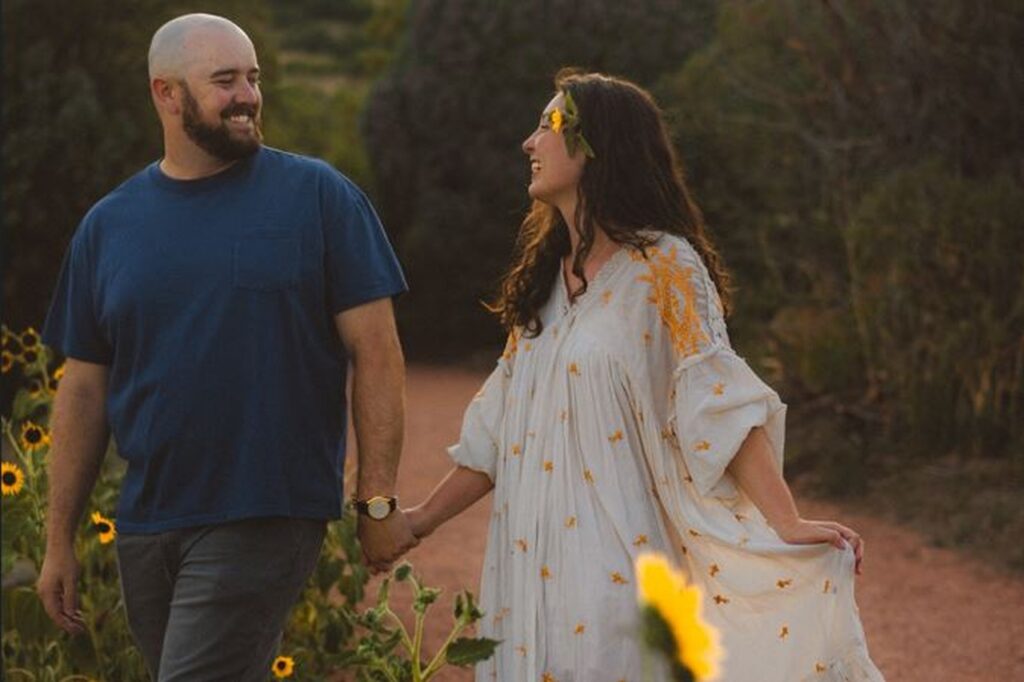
419 522
803 532
58 589
385 541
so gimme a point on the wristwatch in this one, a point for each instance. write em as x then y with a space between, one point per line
377 508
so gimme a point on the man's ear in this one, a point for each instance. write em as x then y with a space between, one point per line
166 95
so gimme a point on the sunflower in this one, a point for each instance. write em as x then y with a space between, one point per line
11 478
11 344
33 436
673 608
105 527
58 373
30 339
8 361
557 120
283 666
29 356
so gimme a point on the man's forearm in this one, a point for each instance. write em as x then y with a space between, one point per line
80 434
378 414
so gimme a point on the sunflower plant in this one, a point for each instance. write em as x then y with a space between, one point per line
671 622
326 631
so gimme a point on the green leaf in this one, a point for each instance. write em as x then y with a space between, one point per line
467 651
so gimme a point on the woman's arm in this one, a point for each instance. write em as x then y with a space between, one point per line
755 471
457 491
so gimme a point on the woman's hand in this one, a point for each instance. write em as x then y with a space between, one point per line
421 524
804 532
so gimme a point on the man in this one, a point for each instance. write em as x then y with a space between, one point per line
208 308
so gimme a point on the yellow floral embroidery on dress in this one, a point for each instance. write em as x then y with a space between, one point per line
618 579
548 677
669 281
549 466
686 550
587 476
688 478
701 446
606 296
740 517
693 533
545 572
517 449
640 540
522 544
714 570
647 338
527 347
574 369
718 388
784 632
719 599
563 415
511 345
570 522
521 650
828 587
500 616
615 437
580 628
783 584
819 668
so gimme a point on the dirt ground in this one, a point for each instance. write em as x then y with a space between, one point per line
930 614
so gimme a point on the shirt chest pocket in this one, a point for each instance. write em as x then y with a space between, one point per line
266 262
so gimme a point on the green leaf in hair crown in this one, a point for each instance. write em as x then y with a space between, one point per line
567 123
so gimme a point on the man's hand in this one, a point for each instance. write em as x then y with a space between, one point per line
385 541
58 589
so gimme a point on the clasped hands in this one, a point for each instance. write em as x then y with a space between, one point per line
384 542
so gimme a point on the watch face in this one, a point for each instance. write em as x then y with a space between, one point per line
378 508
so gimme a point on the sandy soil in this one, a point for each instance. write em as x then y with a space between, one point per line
930 614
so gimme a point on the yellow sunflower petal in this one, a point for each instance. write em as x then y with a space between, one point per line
679 604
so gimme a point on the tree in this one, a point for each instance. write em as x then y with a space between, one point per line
444 129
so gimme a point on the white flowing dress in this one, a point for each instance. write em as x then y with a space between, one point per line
609 435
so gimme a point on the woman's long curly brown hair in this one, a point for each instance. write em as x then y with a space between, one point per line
633 183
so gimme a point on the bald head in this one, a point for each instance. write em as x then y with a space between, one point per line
181 41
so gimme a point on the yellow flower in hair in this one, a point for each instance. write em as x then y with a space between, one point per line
283 666
672 617
11 478
557 120
33 436
104 527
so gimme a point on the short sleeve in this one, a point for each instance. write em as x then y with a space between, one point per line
72 326
715 398
360 264
479 442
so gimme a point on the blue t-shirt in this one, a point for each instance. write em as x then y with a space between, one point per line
212 301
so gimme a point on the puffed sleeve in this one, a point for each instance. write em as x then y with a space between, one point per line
479 440
718 400
715 397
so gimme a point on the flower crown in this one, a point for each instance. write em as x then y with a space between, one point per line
568 123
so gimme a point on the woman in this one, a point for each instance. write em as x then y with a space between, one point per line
619 420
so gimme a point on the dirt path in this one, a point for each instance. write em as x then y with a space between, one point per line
930 614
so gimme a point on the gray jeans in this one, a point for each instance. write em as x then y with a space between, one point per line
210 603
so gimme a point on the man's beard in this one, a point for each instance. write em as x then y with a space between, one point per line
217 140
